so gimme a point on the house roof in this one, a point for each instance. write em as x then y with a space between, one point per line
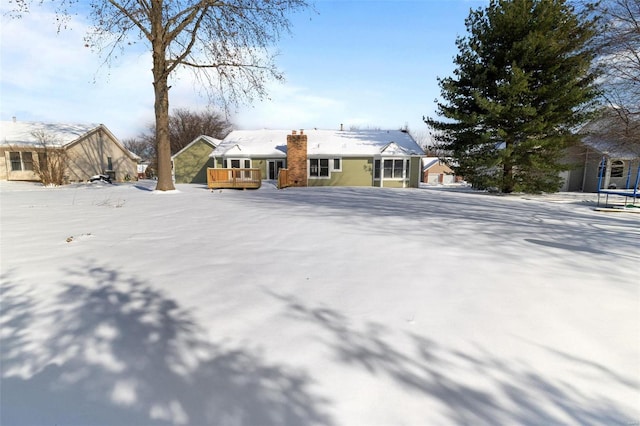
603 135
610 148
25 134
363 143
428 162
211 141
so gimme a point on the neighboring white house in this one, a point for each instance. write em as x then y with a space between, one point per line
621 160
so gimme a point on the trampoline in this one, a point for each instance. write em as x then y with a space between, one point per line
628 192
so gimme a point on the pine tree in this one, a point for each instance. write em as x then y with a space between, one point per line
523 82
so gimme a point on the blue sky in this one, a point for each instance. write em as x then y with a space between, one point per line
361 63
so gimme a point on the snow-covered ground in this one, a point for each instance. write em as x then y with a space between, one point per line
327 306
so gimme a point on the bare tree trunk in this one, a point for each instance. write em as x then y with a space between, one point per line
161 104
163 149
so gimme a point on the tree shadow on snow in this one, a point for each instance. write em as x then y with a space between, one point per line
504 223
473 388
112 350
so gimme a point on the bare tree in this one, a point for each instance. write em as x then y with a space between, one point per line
186 125
619 48
227 42
52 160
143 148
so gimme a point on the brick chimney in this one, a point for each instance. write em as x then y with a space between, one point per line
297 158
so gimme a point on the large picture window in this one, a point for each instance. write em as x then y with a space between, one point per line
396 168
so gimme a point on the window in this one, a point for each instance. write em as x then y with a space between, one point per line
27 160
391 168
319 167
237 163
388 169
337 165
109 164
21 161
398 169
617 168
16 162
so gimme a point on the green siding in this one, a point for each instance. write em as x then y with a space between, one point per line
355 172
190 166
260 164
415 167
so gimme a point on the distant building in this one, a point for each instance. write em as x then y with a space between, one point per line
89 149
621 160
434 171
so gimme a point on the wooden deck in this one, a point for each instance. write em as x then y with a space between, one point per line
234 178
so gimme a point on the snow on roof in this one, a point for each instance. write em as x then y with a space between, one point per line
267 143
21 133
210 139
429 161
273 143
610 148
601 134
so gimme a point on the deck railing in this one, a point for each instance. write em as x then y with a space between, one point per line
234 178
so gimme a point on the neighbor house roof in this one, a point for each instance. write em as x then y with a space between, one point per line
362 143
602 135
428 162
26 133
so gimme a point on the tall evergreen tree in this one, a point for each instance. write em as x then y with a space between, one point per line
523 82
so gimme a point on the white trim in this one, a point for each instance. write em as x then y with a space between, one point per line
240 159
333 160
406 170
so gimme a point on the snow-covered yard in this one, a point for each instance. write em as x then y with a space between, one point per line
328 306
